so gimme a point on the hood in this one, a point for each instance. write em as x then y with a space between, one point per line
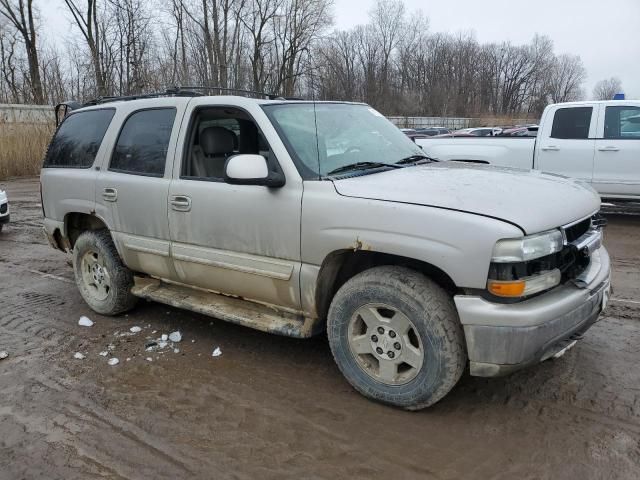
532 200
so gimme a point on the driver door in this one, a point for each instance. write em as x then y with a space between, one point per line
241 240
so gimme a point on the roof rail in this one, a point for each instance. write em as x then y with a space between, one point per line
177 91
223 90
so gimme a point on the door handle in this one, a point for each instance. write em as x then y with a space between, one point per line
551 148
181 203
110 194
609 148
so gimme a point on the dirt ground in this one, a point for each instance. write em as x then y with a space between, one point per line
273 407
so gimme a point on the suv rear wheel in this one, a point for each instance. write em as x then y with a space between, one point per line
396 337
103 280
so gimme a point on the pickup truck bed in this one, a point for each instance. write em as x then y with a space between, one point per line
596 142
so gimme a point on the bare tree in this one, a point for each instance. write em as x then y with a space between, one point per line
94 33
565 78
21 16
606 89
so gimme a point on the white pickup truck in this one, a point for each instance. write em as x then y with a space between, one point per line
597 142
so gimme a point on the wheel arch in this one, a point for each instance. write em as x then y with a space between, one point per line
75 223
341 265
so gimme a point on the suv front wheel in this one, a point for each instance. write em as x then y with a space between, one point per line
103 280
396 337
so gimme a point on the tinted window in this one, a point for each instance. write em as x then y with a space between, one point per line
78 139
143 142
622 122
572 123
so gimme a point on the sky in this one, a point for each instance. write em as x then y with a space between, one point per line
605 33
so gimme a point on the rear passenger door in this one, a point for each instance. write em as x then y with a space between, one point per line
617 159
566 143
133 184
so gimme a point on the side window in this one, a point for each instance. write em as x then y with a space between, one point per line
78 139
216 134
143 142
572 123
622 122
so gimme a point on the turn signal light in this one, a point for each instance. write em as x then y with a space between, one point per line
506 289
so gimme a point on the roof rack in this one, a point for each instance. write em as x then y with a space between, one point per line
223 90
177 91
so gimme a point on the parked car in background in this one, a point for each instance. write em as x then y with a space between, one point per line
478 132
299 218
432 131
4 209
520 131
597 142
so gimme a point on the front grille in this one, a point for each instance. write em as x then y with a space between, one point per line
575 231
3 208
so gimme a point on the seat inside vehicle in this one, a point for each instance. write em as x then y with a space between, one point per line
216 135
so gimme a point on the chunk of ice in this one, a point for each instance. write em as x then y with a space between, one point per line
164 337
4 354
104 354
216 352
113 361
149 359
175 336
162 344
135 329
85 322
78 356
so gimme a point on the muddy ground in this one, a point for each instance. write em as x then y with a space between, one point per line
273 407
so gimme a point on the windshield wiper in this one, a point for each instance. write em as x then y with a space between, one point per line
362 166
418 158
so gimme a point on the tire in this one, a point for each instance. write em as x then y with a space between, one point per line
387 297
103 280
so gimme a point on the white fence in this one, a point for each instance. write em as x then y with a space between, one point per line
26 113
424 122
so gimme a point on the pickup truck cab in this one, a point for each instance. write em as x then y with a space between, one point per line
596 142
298 217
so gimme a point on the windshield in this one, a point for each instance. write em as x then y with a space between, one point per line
346 134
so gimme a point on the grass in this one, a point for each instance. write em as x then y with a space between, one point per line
22 148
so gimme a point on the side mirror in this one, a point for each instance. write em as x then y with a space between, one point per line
250 169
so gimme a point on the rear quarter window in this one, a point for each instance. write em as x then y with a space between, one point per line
77 141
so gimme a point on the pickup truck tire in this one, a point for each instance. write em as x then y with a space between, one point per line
396 337
103 280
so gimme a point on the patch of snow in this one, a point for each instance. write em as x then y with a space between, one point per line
128 359
135 329
113 361
216 352
164 337
4 354
176 350
85 322
155 331
175 336
104 354
78 356
149 359
162 344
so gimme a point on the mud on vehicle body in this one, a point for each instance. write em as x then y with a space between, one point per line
297 217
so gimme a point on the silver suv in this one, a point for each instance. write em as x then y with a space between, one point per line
296 217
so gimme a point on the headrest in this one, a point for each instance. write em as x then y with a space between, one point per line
217 141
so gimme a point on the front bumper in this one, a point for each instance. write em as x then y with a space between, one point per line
502 338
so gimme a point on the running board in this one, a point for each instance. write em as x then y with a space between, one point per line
231 309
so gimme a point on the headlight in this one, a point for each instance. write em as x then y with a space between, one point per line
527 248
525 266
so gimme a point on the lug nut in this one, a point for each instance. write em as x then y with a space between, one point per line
391 354
374 338
392 334
380 330
397 345
379 350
